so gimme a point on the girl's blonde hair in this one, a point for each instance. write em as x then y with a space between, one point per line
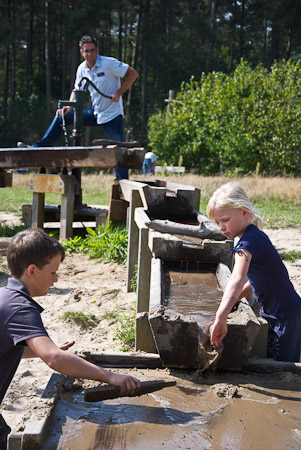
233 195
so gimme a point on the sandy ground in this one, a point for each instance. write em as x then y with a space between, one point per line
96 288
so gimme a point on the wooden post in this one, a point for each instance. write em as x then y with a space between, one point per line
67 186
67 211
144 336
169 101
133 238
38 202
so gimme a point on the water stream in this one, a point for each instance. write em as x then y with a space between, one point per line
192 289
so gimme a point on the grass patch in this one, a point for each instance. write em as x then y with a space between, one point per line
277 198
125 330
107 243
124 326
80 318
10 231
290 256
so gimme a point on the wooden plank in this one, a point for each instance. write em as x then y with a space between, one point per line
4 242
127 186
6 179
54 184
133 234
38 202
118 210
107 392
106 142
67 210
261 365
71 157
121 359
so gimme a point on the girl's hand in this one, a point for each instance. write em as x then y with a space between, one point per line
66 345
218 332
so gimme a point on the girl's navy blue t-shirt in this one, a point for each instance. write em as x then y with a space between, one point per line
268 275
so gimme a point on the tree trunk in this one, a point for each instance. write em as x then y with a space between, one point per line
120 25
13 45
6 78
29 71
242 30
47 58
146 21
133 63
212 34
232 47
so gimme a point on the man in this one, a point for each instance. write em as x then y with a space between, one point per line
149 163
105 73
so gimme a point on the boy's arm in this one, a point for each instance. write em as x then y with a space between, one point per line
28 353
70 364
233 292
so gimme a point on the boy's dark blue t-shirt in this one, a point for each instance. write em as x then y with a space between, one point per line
20 319
268 275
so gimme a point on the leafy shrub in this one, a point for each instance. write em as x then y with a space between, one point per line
108 243
244 122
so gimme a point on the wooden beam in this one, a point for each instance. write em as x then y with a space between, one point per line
73 157
126 360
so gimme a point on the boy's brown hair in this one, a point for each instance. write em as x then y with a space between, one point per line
32 246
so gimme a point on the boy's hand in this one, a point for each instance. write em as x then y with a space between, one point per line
66 345
126 383
218 332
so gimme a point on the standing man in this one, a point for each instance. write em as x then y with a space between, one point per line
105 73
149 163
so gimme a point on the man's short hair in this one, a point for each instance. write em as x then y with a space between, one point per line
86 39
32 246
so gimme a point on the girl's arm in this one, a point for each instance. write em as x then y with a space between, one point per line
235 290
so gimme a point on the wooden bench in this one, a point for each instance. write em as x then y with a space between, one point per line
174 170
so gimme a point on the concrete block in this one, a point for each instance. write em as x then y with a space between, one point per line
260 345
176 338
243 327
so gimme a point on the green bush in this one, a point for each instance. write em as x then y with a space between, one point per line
245 122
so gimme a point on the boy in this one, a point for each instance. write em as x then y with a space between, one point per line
33 259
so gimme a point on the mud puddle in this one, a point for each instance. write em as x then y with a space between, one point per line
223 411
194 293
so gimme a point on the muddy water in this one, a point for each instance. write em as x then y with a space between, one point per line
193 289
195 414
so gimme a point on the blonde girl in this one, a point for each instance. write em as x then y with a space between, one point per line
259 262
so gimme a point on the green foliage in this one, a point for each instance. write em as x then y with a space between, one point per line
291 256
80 318
135 278
126 329
245 122
108 243
124 325
6 231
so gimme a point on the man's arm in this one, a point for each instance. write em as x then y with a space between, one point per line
233 292
72 365
130 77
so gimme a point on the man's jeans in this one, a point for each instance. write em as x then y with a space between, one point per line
113 131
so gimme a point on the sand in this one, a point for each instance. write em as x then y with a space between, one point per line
94 287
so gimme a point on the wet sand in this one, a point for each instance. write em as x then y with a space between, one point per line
218 411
